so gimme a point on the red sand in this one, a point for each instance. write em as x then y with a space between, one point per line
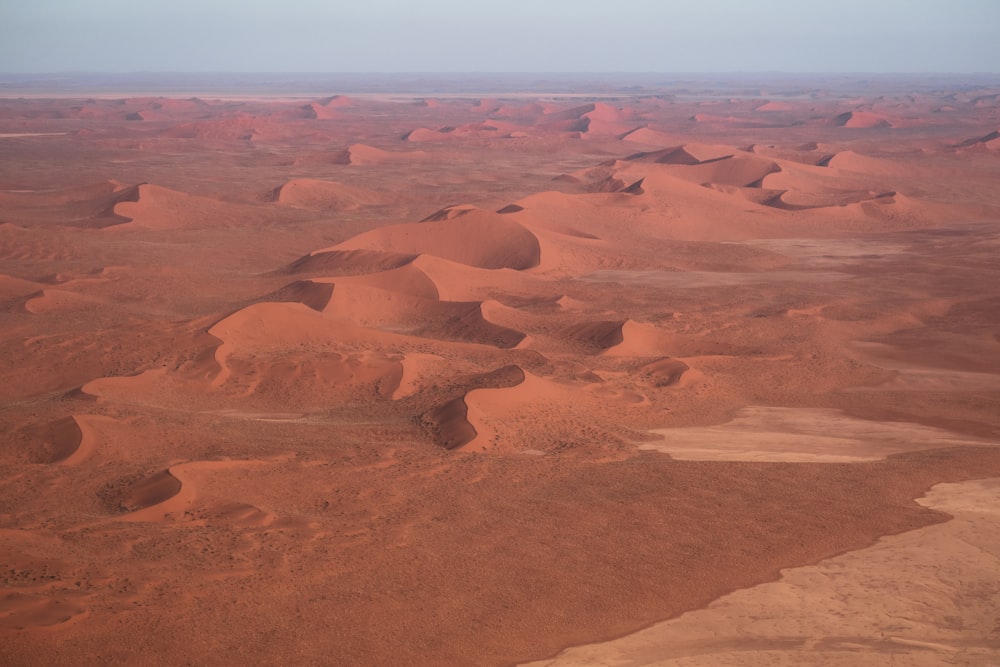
280 387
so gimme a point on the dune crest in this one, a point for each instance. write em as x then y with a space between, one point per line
480 239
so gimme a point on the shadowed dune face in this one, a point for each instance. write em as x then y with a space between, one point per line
439 380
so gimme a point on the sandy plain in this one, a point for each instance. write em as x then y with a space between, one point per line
407 378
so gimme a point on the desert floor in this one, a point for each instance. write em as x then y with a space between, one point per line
486 378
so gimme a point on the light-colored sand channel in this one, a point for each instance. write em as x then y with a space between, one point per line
801 435
927 597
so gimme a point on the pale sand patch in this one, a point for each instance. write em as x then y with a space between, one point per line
801 435
926 597
830 252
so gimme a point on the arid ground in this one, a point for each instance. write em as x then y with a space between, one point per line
491 374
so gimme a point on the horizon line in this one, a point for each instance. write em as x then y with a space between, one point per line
503 72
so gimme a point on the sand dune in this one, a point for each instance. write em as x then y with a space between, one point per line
174 494
449 424
605 119
417 368
688 154
460 282
641 340
530 110
347 262
628 367
675 155
42 611
396 308
319 111
149 387
152 207
596 335
53 300
410 280
990 141
480 239
363 155
450 212
314 294
736 170
812 187
495 413
861 119
776 105
83 206
488 130
666 372
36 605
67 441
647 135
263 350
573 113
157 497
422 134
13 290
336 102
857 162
326 195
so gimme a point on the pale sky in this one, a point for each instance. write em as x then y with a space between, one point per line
500 35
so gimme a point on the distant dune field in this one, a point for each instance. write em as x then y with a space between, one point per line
642 375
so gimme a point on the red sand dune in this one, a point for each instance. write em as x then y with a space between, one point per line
776 105
990 141
406 302
646 135
91 205
347 262
152 207
254 357
614 374
327 195
13 290
450 212
422 134
364 155
485 240
865 119
314 294
878 167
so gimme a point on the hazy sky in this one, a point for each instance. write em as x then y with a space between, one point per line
500 35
